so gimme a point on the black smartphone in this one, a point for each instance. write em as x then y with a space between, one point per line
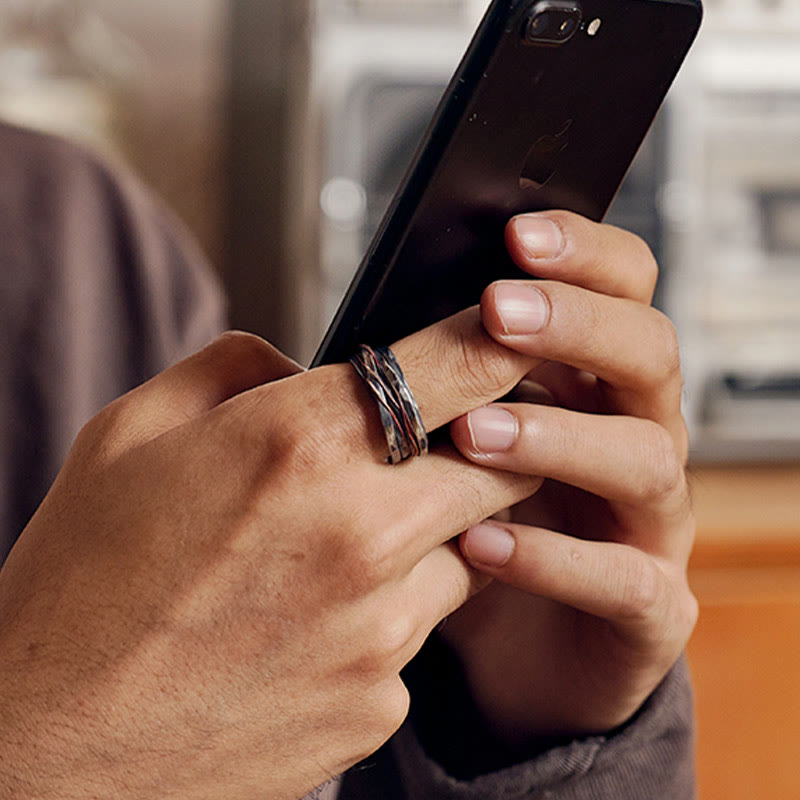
546 111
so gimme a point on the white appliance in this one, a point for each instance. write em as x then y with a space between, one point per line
733 219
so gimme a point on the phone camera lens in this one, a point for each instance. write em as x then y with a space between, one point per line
553 22
539 25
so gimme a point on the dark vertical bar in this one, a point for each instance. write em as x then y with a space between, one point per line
269 46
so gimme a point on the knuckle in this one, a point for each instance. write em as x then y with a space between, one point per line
593 317
289 451
380 647
682 442
636 251
645 259
664 474
240 343
668 365
303 440
240 361
365 569
304 450
336 422
96 439
690 611
100 426
482 368
678 628
642 591
363 554
391 639
236 352
608 242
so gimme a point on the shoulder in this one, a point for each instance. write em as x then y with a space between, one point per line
30 146
48 182
30 152
33 163
59 199
79 226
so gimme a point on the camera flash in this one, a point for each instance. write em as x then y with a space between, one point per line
593 27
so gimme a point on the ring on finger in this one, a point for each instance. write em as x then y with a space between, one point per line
400 415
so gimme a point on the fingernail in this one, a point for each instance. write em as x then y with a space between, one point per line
492 430
522 308
540 236
488 545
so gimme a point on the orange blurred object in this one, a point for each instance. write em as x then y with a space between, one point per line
745 654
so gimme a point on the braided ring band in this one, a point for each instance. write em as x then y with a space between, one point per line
400 417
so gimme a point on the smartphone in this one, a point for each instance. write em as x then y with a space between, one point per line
546 111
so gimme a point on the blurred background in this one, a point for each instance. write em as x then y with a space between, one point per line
279 129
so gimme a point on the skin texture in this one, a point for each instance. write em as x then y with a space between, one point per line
591 607
218 594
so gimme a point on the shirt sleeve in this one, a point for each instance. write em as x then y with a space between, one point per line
651 756
100 289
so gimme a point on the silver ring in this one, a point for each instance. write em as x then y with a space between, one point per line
400 417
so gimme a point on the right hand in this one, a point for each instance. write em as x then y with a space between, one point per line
218 594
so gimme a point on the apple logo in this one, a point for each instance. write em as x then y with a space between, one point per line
540 164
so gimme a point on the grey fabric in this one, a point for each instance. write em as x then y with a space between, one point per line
330 791
652 758
99 290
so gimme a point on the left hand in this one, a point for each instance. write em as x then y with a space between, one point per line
591 606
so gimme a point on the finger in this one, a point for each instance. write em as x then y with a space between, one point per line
562 246
307 430
632 348
611 581
451 367
400 615
457 495
323 428
531 391
232 364
393 518
566 386
454 365
630 462
439 585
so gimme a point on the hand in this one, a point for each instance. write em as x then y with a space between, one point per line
592 607
219 592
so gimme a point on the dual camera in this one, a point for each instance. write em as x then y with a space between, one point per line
555 22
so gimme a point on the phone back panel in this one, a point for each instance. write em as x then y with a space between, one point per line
522 127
